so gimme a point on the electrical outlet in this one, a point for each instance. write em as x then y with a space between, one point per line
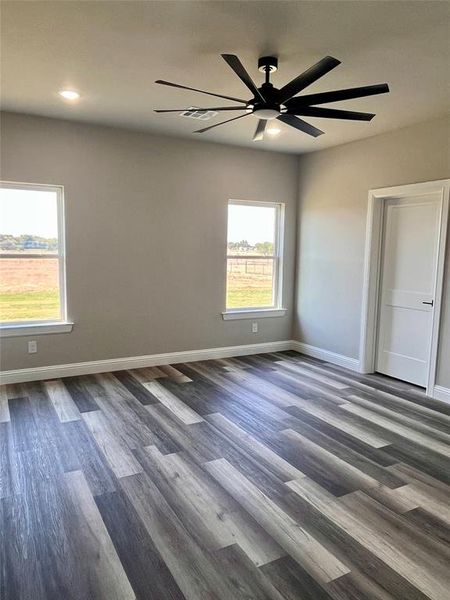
32 347
254 327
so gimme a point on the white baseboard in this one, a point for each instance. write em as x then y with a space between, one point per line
153 360
326 355
441 393
135 362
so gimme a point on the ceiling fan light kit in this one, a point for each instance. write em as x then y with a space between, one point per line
269 103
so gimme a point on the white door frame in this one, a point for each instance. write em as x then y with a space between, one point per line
372 269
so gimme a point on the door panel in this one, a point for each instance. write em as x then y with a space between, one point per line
409 258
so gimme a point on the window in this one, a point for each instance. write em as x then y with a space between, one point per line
254 257
32 278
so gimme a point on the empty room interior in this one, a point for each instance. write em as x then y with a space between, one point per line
225 300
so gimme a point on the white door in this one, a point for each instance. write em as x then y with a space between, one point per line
408 277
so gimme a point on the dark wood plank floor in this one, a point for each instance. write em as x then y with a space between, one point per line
265 477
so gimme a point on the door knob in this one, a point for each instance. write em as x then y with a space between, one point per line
430 303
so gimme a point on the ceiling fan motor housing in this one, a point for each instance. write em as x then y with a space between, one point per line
271 108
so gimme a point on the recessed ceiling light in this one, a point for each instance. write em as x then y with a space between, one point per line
273 130
69 94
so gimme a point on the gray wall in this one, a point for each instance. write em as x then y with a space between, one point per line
333 189
146 236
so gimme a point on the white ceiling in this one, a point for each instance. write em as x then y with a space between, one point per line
113 51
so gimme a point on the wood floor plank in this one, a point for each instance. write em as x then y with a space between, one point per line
179 409
281 468
356 586
134 386
146 571
104 561
326 413
400 499
9 484
4 408
236 391
293 582
436 503
296 541
249 581
381 391
360 456
361 561
128 415
119 406
273 393
311 375
402 430
430 524
409 474
354 428
117 454
203 443
63 404
407 421
305 387
148 374
93 462
305 421
212 517
20 572
80 394
175 374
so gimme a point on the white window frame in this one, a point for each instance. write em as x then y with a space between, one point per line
62 325
275 310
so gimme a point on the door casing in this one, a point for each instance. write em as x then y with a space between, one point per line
372 270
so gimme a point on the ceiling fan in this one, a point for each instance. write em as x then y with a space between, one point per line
269 102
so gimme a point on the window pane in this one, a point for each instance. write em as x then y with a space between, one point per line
251 229
249 283
29 287
251 234
28 221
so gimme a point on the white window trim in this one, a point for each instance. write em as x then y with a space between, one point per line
62 325
41 328
253 313
277 309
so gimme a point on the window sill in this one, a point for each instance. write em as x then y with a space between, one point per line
262 313
35 329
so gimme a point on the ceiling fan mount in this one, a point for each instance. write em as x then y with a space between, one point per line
269 102
268 64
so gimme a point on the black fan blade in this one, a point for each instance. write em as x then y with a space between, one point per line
310 76
234 62
221 123
330 113
216 108
183 87
260 129
336 95
300 124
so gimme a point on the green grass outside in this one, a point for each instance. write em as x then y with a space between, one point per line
29 306
238 297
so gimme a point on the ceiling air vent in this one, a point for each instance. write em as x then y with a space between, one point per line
197 113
